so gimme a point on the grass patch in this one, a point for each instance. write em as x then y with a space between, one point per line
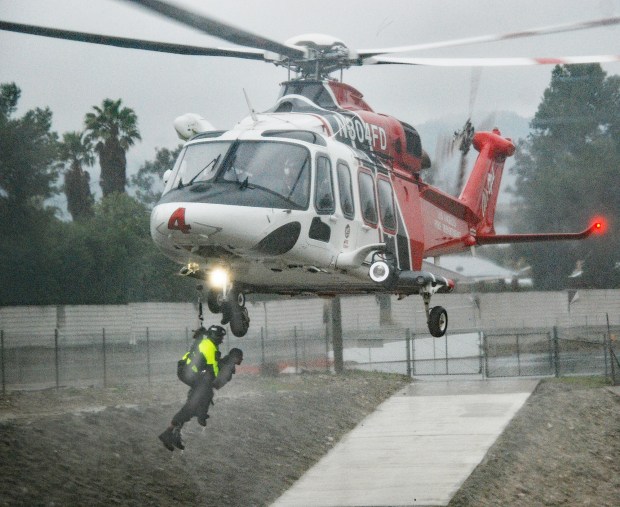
585 382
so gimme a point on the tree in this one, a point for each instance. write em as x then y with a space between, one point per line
77 150
28 151
115 130
28 172
148 180
567 170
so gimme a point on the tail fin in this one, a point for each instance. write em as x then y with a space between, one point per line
480 191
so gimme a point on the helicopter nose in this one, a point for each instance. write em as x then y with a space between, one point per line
239 228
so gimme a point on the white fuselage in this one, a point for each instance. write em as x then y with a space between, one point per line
217 219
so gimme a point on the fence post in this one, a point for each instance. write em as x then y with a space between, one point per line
408 350
556 352
612 355
295 344
413 354
105 373
481 354
327 346
485 351
148 357
56 361
262 347
446 349
606 347
518 357
304 356
2 362
550 342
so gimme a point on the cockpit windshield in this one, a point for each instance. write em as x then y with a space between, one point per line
281 170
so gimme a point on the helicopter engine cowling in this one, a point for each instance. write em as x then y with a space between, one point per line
190 124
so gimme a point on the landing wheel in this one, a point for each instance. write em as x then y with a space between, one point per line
214 301
240 321
235 313
438 321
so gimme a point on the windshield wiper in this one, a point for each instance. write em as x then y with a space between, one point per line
212 163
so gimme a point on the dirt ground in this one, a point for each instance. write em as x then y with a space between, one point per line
96 446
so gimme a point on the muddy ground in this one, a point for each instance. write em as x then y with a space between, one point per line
94 446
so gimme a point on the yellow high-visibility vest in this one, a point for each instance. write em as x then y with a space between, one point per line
203 357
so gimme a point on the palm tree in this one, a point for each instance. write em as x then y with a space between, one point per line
77 151
114 129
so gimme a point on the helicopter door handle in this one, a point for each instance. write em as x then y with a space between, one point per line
333 218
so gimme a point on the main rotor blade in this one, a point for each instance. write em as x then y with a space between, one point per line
123 42
544 30
490 62
218 28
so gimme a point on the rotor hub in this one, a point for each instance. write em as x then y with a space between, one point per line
323 54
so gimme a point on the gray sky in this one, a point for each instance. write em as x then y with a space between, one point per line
71 77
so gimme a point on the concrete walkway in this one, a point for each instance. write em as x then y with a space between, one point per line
417 448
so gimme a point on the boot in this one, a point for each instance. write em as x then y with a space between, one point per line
167 439
176 438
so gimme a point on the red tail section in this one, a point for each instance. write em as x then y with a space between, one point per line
482 187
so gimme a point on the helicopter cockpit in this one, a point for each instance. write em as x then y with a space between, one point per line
270 173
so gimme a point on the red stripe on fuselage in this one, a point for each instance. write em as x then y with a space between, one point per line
406 193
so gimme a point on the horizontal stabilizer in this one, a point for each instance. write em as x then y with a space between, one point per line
598 226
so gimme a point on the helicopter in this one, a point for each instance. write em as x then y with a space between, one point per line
319 194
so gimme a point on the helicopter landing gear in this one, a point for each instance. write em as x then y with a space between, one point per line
436 317
230 303
214 301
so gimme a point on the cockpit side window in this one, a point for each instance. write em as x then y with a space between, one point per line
197 162
324 195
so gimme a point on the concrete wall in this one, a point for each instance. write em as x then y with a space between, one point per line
26 324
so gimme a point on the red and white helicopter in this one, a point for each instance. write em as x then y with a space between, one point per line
320 194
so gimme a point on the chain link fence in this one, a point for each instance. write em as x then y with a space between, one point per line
552 352
110 355
107 358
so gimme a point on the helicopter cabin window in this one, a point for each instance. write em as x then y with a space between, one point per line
324 195
281 169
197 162
367 198
345 190
386 204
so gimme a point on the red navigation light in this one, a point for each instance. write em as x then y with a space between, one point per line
599 225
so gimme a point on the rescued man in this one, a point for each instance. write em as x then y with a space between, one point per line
228 368
198 369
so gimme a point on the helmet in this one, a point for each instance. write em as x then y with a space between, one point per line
200 332
216 332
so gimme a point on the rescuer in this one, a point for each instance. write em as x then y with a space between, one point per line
198 369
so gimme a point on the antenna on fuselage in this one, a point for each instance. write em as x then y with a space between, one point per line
252 112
